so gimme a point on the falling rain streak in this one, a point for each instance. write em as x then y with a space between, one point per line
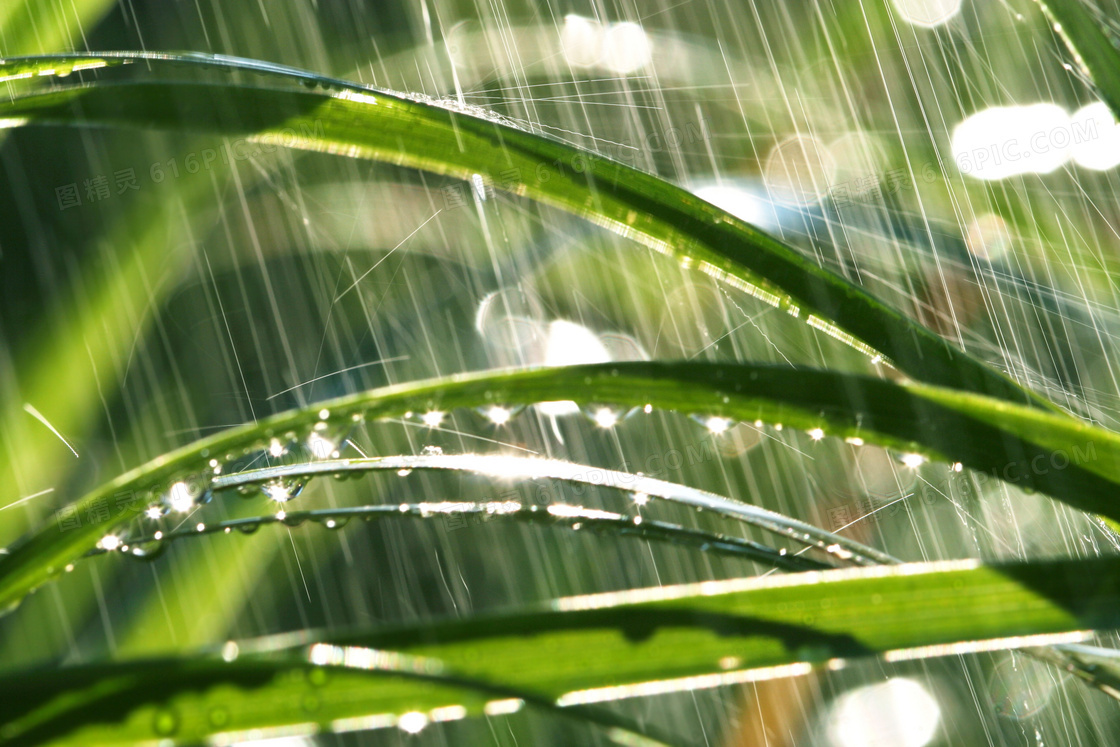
232 241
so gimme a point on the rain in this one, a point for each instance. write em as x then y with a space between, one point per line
161 285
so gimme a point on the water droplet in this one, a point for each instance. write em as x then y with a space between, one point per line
283 491
412 722
321 446
715 424
276 449
150 551
431 451
181 497
603 416
498 414
913 461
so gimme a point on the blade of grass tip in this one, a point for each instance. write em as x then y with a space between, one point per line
614 646
396 128
982 433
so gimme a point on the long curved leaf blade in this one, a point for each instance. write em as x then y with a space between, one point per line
504 466
192 699
1012 442
577 651
1092 49
387 126
603 522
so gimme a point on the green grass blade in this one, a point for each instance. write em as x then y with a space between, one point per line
579 651
1012 442
1093 51
261 697
504 466
1099 667
395 128
606 523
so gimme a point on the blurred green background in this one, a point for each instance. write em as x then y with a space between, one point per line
186 293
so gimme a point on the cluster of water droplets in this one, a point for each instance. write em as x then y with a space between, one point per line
455 104
170 513
169 509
